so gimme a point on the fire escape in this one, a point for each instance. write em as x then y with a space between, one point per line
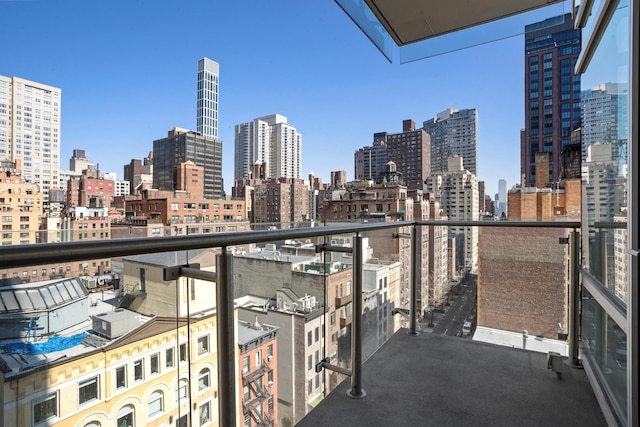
253 404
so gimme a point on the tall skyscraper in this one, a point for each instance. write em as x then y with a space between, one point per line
600 108
30 130
453 133
501 205
180 146
208 76
268 140
410 150
552 98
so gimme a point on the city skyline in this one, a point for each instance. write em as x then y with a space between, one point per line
125 81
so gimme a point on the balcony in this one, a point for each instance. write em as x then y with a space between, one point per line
411 377
439 380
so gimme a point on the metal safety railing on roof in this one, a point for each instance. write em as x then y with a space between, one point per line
29 255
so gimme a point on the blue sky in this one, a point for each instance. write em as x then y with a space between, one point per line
127 70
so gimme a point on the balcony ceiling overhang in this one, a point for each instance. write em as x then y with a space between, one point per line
410 21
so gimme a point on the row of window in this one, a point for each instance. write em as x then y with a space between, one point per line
47 408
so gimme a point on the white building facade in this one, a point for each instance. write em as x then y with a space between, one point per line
268 140
30 130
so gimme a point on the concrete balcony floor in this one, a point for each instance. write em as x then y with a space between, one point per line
438 380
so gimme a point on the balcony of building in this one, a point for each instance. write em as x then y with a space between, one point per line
417 374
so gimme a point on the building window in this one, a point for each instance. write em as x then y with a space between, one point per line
317 334
88 390
203 345
154 363
45 408
258 358
183 352
155 404
168 358
309 338
121 377
245 364
270 351
125 417
204 379
138 370
205 413
181 391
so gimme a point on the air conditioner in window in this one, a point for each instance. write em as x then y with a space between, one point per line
270 383
269 358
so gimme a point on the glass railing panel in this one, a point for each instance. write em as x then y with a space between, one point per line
608 257
386 284
283 284
604 155
604 343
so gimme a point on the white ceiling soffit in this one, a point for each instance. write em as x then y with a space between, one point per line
409 21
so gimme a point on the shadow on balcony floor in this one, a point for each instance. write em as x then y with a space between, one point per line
436 380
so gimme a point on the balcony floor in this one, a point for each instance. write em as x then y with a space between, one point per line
439 380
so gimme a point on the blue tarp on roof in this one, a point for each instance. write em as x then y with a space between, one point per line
53 344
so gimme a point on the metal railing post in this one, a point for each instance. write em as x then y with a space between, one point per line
415 271
226 349
574 297
356 390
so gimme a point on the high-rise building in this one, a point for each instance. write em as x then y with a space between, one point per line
501 207
182 145
269 140
457 192
30 130
552 97
602 180
410 150
600 106
453 133
370 161
208 80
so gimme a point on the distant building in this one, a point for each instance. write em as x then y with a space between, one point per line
281 200
179 207
370 161
79 162
546 204
600 108
21 205
180 146
410 150
338 179
552 101
457 192
453 133
30 104
138 171
90 191
602 179
207 103
271 141
501 200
